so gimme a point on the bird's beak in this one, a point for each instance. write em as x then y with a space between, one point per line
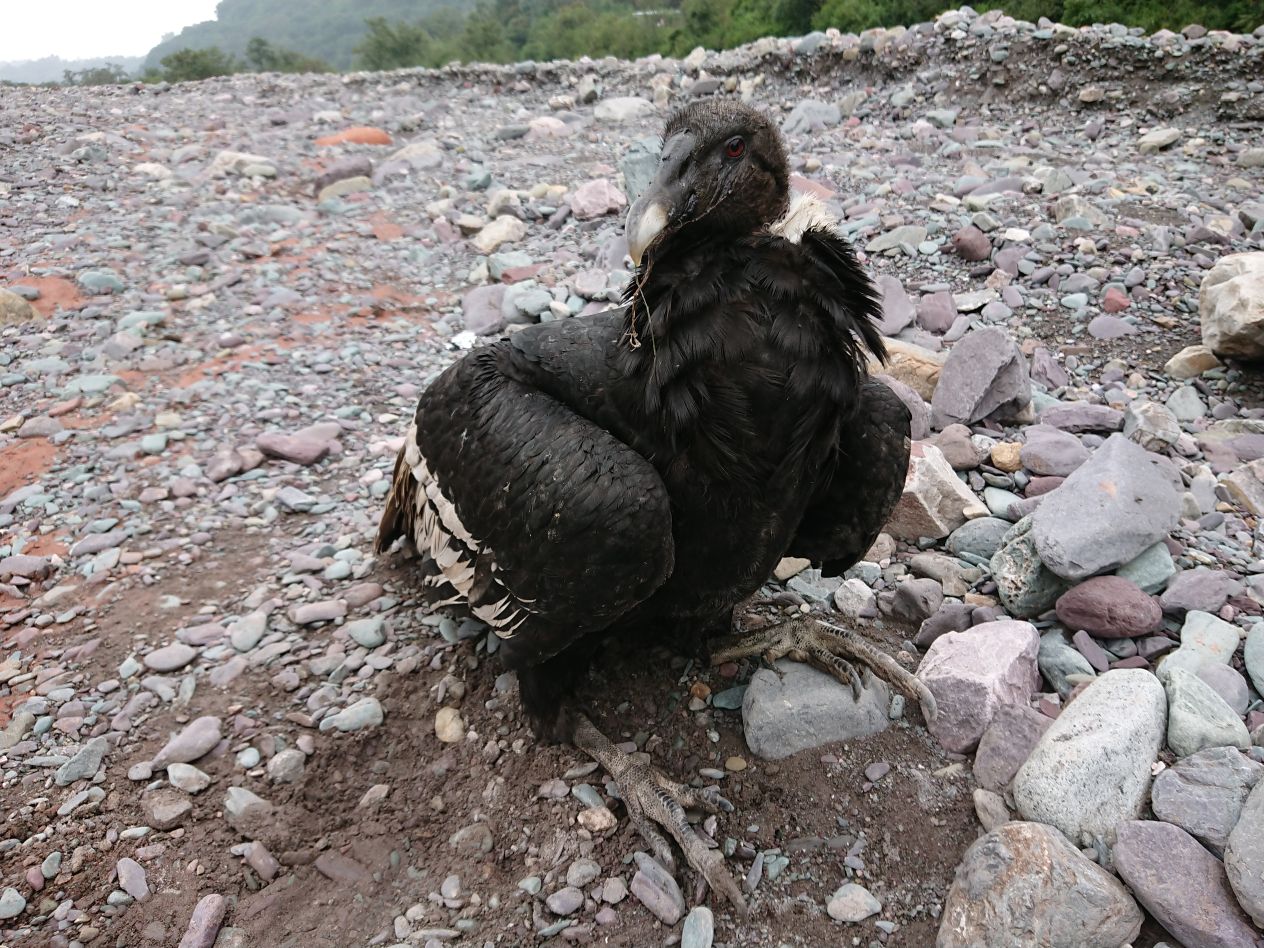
663 201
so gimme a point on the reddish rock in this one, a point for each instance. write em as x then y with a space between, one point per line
358 135
592 199
305 451
1115 300
1109 607
971 244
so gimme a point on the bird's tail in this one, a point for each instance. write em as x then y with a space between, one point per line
397 518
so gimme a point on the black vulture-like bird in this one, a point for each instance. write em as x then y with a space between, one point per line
600 477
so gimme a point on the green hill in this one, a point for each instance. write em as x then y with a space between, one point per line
328 30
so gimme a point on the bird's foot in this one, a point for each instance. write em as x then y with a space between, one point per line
651 799
832 650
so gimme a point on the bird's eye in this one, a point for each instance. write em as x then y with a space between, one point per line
735 147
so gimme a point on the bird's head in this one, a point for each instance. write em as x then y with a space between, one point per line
722 173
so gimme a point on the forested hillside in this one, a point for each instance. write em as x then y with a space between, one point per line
327 30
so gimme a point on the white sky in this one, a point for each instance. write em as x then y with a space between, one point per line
78 29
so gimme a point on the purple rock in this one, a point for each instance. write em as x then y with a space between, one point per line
1051 451
657 890
131 879
919 411
973 673
936 312
917 600
951 617
1046 370
204 926
897 308
304 451
1006 744
1095 654
197 739
1083 416
984 373
971 244
1200 589
1181 884
481 309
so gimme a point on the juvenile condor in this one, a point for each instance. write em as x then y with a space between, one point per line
605 476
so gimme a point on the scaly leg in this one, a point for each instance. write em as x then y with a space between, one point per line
828 648
652 798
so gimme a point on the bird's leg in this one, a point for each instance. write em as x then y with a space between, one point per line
829 648
653 799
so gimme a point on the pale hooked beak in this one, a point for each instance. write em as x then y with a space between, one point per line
646 220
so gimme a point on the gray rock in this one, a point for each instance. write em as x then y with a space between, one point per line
1254 656
1091 770
1151 425
1181 884
639 164
1026 586
806 708
1111 509
1231 306
1204 794
365 713
565 901
12 903
981 537
482 309
84 764
171 657
657 890
1150 570
367 632
1024 884
165 809
1204 638
131 877
852 903
1058 659
699 930
622 109
983 374
1244 856
811 115
1082 416
1199 718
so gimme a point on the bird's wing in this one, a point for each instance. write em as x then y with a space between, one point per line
546 523
856 498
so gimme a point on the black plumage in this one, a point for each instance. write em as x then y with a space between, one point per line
647 468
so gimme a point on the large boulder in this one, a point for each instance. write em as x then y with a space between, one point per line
1244 856
1091 770
1204 794
1182 885
1231 306
1024 884
1111 509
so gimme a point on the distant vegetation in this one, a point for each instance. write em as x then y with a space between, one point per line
513 30
54 69
302 36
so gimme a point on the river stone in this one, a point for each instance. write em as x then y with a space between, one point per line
1244 856
1181 884
805 708
981 537
84 764
1231 306
196 739
1091 770
1026 586
1006 744
1204 793
1199 718
852 903
1204 639
1254 656
1024 884
1109 607
1151 570
975 672
985 372
1058 659
1111 509
1050 451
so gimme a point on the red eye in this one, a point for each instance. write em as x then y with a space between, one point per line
735 147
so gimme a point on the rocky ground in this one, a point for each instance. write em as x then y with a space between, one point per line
224 721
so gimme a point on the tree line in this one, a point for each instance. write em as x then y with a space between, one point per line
505 31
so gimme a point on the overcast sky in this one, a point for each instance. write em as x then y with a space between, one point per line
78 29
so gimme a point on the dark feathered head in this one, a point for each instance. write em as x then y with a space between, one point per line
723 174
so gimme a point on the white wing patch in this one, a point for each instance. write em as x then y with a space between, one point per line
806 212
439 533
